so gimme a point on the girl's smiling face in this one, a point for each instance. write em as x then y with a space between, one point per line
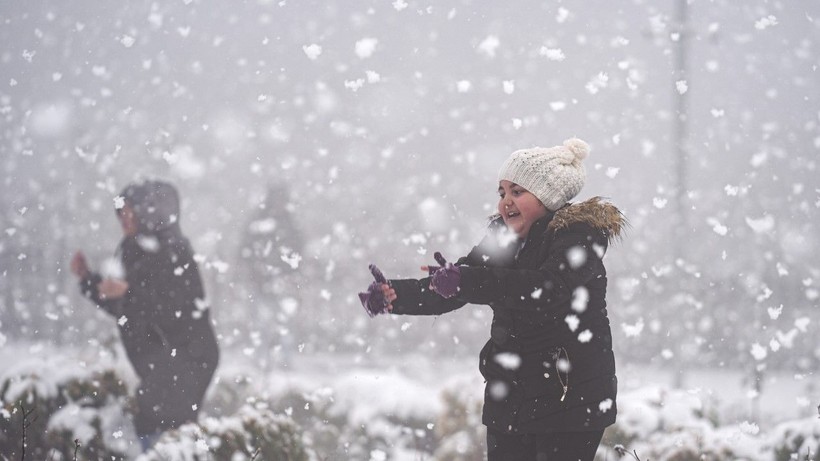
518 207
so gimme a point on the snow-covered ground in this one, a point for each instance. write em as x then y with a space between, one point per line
713 410
374 380
783 395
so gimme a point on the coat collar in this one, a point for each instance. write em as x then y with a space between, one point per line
596 213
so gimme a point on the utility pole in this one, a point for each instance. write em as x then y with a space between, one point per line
681 128
681 132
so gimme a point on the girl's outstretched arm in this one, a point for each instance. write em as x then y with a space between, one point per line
574 260
404 297
414 297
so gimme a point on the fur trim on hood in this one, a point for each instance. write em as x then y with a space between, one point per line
596 212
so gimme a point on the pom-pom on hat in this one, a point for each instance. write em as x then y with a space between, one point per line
553 174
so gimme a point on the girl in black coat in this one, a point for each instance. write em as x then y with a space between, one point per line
549 366
159 304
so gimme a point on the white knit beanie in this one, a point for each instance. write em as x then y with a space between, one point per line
553 174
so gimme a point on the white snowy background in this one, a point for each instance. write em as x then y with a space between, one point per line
310 138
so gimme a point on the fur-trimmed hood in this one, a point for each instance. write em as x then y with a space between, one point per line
596 212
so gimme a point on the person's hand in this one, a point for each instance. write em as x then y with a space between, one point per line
446 278
112 288
79 265
379 296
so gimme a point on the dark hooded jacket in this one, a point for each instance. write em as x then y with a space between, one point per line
163 319
550 327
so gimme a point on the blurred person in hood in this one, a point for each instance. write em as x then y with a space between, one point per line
159 303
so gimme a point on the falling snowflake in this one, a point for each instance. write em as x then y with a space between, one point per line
633 330
553 54
762 225
717 227
488 46
365 47
373 77
758 352
576 256
558 105
659 202
580 299
572 322
312 51
612 171
354 85
508 360
597 83
763 23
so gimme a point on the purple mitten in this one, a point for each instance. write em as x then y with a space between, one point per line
373 299
445 279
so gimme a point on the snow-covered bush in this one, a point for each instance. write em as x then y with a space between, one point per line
796 440
229 393
355 426
651 410
664 424
461 435
62 404
360 417
328 433
254 432
467 443
661 424
697 444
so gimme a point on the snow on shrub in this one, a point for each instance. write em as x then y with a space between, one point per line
364 393
229 392
461 435
649 410
660 424
62 404
796 440
702 443
254 432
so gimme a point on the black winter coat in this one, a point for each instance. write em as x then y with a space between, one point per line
550 327
165 328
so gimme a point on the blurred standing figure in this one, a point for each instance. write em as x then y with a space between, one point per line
160 307
271 271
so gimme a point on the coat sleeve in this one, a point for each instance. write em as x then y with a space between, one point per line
574 258
414 297
88 287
